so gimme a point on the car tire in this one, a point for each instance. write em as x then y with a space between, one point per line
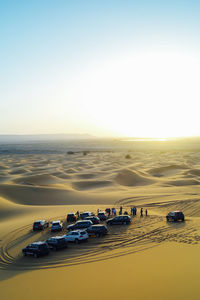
76 241
98 235
35 255
24 254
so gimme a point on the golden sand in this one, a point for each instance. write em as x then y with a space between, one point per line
150 259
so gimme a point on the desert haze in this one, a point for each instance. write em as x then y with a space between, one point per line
149 259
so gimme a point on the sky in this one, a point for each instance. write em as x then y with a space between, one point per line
106 68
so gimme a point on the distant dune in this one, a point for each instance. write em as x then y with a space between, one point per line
167 170
42 137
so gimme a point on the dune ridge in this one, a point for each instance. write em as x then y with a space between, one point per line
128 177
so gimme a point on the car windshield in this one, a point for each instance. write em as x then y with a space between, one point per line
172 213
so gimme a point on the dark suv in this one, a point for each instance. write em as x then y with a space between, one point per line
83 215
71 218
175 216
80 225
36 249
57 242
40 225
123 219
98 230
94 219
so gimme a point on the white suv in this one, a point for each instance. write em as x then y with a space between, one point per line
76 236
56 226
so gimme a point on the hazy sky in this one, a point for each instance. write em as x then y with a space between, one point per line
100 67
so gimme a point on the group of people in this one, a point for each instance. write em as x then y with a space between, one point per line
141 212
133 211
114 211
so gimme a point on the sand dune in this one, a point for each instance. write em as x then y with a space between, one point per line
132 178
183 182
18 171
3 167
86 175
92 184
195 172
167 170
61 175
44 179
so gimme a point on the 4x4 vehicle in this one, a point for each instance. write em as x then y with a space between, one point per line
98 230
76 236
175 216
80 225
71 218
36 249
56 242
56 226
102 216
123 219
40 225
94 219
83 215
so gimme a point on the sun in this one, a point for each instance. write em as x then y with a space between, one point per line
147 95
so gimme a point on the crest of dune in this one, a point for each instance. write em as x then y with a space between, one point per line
132 178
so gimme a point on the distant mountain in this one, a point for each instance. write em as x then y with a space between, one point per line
15 138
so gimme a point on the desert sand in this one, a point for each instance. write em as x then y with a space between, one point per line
150 259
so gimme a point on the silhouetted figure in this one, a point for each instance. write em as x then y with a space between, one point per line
78 215
146 212
114 211
97 211
132 211
108 211
141 212
135 210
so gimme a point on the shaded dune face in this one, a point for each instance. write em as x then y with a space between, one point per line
85 185
44 179
169 170
183 182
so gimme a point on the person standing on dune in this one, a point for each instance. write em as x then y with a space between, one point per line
146 212
141 212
